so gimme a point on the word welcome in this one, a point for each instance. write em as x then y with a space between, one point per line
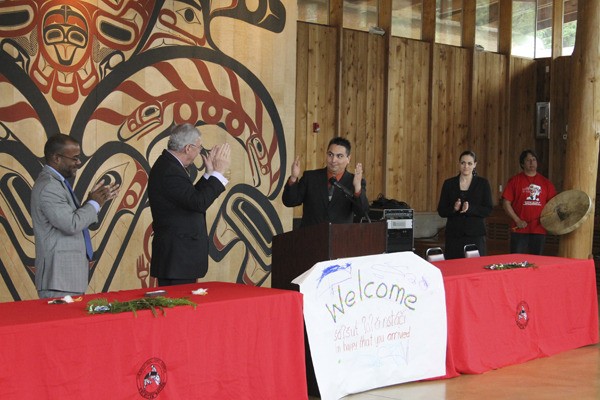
367 291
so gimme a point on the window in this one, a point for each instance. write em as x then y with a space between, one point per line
569 27
523 28
407 18
486 25
532 28
315 11
360 14
543 32
448 24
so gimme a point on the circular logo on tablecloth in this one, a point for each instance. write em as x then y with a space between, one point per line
522 316
152 378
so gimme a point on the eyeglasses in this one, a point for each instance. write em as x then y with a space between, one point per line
198 147
76 159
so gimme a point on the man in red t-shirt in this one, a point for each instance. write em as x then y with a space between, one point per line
524 198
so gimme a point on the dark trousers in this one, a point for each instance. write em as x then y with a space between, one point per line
173 282
527 243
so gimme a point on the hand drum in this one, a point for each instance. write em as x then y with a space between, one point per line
566 212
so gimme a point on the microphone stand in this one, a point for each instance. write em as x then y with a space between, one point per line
349 195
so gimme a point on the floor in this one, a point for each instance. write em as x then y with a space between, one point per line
574 374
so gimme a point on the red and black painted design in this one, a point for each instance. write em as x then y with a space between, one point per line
90 58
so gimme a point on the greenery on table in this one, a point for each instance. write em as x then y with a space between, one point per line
102 306
510 265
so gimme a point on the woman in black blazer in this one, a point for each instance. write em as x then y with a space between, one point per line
466 200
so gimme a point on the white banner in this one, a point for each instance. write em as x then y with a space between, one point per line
374 321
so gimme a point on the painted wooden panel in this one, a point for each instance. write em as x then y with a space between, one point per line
121 74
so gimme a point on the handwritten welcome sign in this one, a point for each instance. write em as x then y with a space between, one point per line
374 321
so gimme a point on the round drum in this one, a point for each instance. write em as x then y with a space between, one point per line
566 212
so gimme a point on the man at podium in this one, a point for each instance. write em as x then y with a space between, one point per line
329 194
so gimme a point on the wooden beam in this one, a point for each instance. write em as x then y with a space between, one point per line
505 27
558 10
468 24
385 21
428 21
581 166
336 19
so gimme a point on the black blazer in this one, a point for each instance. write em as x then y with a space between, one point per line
311 192
471 223
180 243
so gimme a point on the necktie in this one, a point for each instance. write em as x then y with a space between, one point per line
86 232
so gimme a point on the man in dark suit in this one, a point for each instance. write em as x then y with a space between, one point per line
63 247
322 200
178 206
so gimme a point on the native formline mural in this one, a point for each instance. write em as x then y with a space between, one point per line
116 75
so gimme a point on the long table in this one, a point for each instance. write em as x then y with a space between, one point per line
241 342
503 317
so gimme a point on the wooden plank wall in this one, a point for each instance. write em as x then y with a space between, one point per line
542 146
523 77
408 163
362 109
315 95
559 112
441 100
449 116
489 132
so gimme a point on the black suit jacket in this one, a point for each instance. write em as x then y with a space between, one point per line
180 243
471 223
311 192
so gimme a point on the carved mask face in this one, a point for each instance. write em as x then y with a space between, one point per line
65 36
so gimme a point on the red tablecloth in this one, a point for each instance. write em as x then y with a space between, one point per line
241 342
499 318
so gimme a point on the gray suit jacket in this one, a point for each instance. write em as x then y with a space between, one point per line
60 258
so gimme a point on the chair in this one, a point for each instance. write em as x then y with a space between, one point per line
471 251
434 254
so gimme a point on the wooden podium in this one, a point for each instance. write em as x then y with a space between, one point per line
295 252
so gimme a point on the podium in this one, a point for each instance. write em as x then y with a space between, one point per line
295 252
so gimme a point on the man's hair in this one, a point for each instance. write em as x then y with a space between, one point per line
340 141
523 156
56 144
181 136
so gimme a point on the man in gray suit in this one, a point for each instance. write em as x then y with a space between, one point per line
60 222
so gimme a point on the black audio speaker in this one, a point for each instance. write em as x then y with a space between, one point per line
400 235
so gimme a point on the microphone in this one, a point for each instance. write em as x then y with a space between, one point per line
344 189
349 195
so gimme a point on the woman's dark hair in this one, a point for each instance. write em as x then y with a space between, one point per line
523 156
468 153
